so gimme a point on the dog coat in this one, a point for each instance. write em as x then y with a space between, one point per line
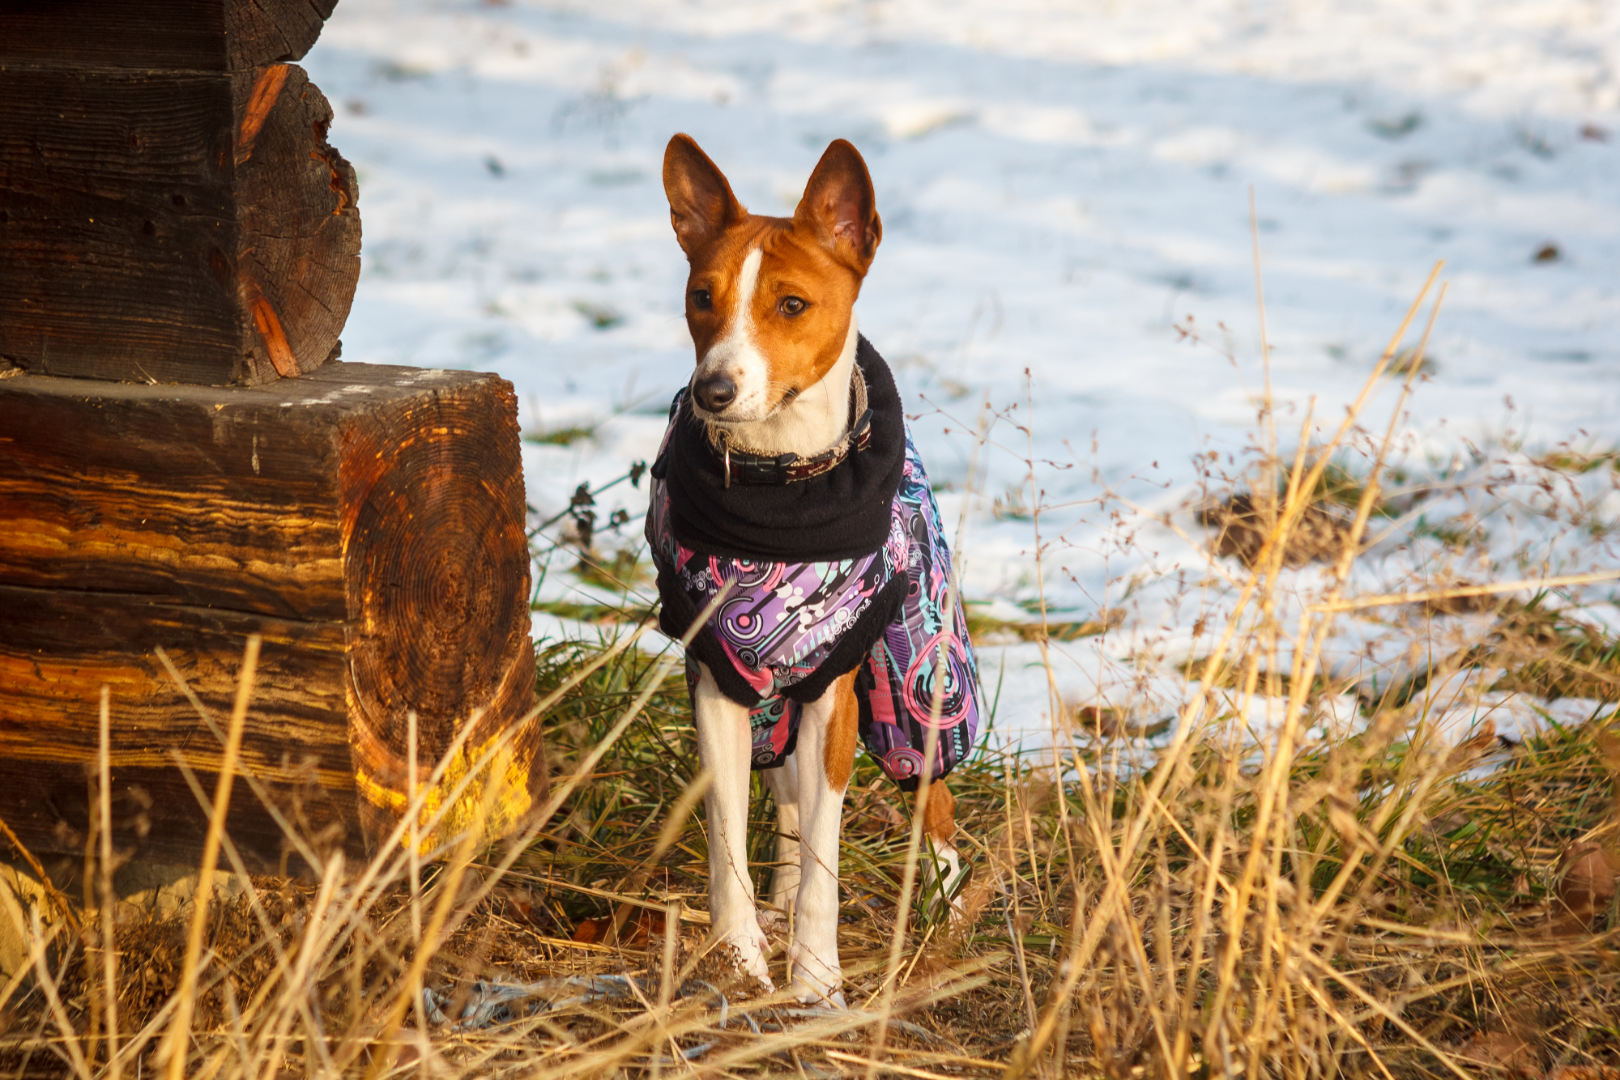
786 628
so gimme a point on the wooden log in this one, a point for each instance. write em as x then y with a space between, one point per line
161 226
368 521
181 35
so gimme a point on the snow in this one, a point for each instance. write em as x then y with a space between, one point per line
1063 186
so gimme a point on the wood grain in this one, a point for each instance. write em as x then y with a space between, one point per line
296 197
164 226
416 594
367 520
182 35
58 648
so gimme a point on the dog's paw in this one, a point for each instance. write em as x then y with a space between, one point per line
748 953
818 996
814 982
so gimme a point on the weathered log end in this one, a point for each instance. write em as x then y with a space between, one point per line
367 521
268 31
433 542
298 245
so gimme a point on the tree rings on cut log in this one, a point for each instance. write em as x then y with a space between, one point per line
433 539
265 31
299 260
172 226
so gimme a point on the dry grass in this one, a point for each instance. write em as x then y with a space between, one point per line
1380 902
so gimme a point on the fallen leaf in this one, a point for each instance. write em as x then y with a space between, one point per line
1583 1072
1483 741
1501 1052
636 931
1586 886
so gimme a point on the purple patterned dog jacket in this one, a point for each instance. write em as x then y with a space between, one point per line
787 627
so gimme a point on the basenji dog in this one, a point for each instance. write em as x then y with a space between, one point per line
790 508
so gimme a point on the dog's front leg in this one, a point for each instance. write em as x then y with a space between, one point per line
784 784
943 869
824 756
724 748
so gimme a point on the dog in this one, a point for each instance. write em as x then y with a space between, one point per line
791 522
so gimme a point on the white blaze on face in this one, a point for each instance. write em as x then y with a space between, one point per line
737 356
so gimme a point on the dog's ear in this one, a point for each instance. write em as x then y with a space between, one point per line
701 204
840 209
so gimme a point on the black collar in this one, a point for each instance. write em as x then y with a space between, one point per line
739 465
775 512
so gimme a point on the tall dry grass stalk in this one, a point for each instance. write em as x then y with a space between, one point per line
1238 899
105 898
174 1051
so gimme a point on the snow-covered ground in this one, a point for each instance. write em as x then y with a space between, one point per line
1063 186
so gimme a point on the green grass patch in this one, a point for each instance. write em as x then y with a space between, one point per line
987 628
566 435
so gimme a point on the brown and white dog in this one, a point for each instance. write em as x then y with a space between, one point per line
770 305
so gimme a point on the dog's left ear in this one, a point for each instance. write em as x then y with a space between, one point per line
840 209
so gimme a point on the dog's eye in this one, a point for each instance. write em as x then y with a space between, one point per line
702 300
792 305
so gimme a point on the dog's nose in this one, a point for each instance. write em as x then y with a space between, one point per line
715 393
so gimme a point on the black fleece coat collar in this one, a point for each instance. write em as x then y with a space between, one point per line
842 514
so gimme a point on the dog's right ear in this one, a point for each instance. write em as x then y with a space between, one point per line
701 205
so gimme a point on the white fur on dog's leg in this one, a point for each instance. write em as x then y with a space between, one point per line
943 871
784 785
724 747
817 975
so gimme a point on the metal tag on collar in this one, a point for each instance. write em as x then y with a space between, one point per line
725 449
